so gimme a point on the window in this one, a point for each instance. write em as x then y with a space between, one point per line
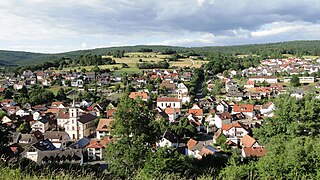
72 121
73 128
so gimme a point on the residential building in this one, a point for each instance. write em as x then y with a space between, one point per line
103 128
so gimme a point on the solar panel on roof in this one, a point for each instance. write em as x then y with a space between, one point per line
211 148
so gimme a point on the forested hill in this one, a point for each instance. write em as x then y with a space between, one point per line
15 58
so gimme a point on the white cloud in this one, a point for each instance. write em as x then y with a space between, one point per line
45 24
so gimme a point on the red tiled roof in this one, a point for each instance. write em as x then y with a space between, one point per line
63 115
166 99
226 126
243 108
254 151
97 144
142 95
110 112
2 90
191 143
196 112
247 141
171 110
56 104
104 125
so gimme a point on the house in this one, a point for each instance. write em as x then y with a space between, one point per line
164 102
46 82
58 105
168 140
248 141
306 80
170 87
246 109
248 152
173 113
57 138
18 85
297 93
22 112
45 152
26 139
40 75
216 136
222 118
197 112
236 96
250 84
110 112
235 131
200 148
96 149
41 125
143 95
77 83
267 109
261 79
8 119
223 107
103 128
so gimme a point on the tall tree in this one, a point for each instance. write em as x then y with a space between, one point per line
61 95
295 81
135 132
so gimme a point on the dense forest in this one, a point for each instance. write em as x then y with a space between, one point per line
15 58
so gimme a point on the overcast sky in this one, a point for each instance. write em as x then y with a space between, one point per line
64 25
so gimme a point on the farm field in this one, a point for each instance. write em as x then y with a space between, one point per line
133 58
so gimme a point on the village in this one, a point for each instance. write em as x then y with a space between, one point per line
76 127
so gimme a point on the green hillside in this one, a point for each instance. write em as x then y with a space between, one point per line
16 58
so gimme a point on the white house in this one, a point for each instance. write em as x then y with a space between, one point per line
234 132
173 113
103 128
267 109
223 118
169 102
22 113
168 140
41 125
18 85
246 109
96 150
223 107
261 79
58 138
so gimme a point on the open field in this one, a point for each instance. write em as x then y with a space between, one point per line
133 58
55 89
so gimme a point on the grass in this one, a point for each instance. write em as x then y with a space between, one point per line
133 58
55 89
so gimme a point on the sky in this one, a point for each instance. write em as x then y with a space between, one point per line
51 26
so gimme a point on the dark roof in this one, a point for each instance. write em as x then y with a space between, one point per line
82 143
87 118
44 145
55 135
171 137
